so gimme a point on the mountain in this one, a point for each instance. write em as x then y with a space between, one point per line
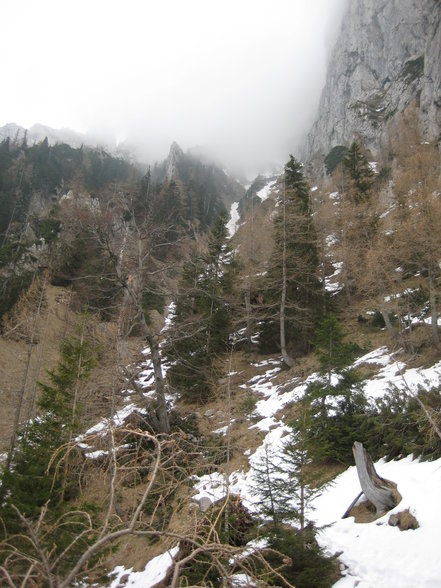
38 132
204 185
387 55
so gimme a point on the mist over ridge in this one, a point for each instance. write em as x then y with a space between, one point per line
241 81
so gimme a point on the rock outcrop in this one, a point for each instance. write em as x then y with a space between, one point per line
175 155
387 55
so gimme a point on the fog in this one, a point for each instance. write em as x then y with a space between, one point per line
241 78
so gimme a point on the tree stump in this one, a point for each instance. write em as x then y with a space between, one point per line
380 492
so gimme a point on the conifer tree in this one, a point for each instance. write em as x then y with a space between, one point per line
35 478
359 173
283 485
203 319
358 218
336 417
332 352
294 292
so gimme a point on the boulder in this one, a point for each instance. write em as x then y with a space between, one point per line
204 503
404 520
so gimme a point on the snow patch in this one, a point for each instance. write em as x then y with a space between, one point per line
331 285
233 223
264 193
155 571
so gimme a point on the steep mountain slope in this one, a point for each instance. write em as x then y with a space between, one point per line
203 184
387 55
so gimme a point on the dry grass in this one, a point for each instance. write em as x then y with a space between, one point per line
53 325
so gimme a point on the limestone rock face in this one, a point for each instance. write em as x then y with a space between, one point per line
174 156
388 54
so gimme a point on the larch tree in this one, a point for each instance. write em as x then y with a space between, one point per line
417 234
134 256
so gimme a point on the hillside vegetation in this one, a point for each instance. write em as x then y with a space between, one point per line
146 355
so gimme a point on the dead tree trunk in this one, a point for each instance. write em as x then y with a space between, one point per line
285 355
389 326
380 492
433 311
161 404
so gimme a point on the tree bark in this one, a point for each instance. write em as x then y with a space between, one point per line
163 422
161 404
376 489
389 326
21 393
249 327
433 311
286 357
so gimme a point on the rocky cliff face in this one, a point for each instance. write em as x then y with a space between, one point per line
388 54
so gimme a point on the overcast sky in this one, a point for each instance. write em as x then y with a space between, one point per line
241 77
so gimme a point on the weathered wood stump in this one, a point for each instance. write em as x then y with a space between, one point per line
380 492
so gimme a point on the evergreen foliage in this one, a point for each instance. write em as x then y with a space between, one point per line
334 158
332 411
359 171
304 292
39 475
335 417
44 477
203 318
270 487
284 482
46 170
396 426
199 187
11 288
332 352
304 563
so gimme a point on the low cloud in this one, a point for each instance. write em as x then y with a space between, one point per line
241 79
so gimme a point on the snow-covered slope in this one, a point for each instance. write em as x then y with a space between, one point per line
372 555
376 555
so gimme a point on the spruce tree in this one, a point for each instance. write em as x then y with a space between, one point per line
294 293
358 218
335 417
203 316
283 484
358 171
332 352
